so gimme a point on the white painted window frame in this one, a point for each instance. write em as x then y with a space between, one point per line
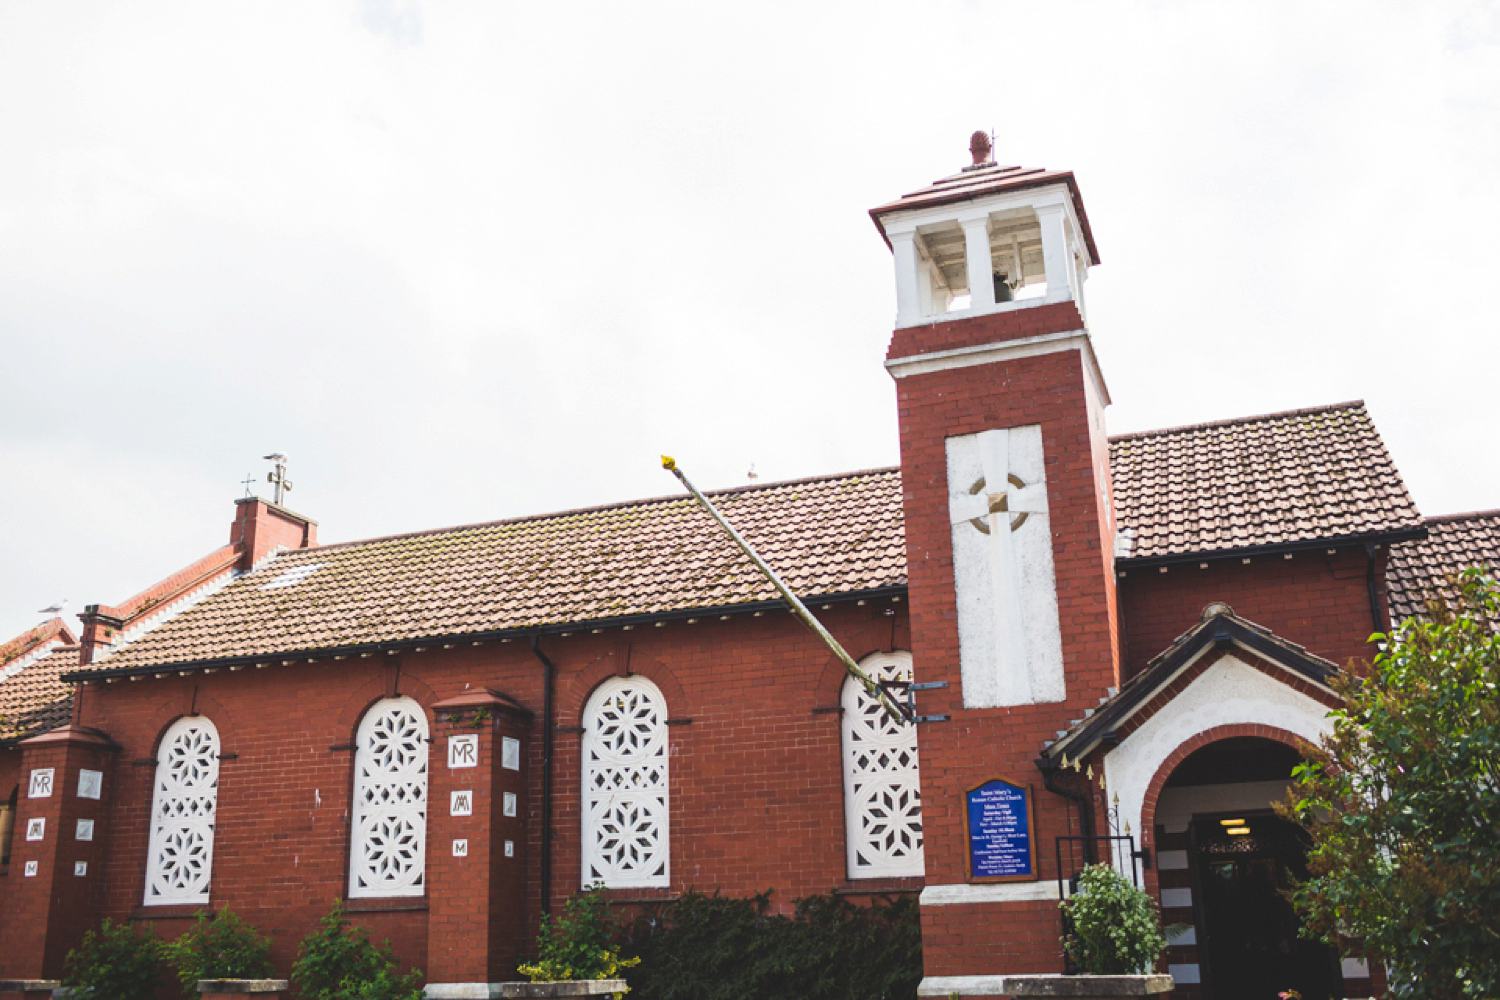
184 806
637 779
869 737
387 794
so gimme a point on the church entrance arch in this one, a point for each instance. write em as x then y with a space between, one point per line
1224 861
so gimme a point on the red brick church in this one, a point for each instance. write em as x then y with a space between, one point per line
1113 646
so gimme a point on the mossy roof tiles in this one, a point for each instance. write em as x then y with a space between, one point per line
1426 569
1304 476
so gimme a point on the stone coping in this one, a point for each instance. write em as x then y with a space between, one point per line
242 985
29 985
492 991
1056 985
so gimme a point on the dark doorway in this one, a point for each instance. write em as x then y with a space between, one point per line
1248 944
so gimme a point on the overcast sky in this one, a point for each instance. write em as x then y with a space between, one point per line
472 261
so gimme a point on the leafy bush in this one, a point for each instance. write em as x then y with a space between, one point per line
717 948
221 946
118 962
577 945
338 962
1113 927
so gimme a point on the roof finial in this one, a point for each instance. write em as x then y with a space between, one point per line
980 147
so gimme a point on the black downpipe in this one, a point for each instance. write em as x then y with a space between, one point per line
1375 616
1085 810
549 675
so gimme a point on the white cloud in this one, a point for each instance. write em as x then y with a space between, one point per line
465 261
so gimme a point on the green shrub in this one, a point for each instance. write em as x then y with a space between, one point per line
221 946
338 962
118 962
717 948
1113 927
577 945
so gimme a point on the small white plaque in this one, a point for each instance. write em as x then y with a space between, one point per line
30 868
80 868
41 783
461 848
510 848
463 751
461 804
36 829
90 783
510 754
85 830
509 803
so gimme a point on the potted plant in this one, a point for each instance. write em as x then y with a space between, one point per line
1114 936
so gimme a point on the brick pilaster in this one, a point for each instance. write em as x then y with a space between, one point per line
477 897
56 875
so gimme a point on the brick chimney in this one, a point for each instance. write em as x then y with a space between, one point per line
261 526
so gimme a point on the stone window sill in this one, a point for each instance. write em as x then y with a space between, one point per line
390 904
881 886
173 911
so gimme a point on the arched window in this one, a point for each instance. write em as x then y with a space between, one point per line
388 853
625 785
180 864
882 783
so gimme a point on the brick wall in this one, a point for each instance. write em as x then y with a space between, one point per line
756 786
1317 600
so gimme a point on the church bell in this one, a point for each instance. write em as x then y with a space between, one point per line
1002 288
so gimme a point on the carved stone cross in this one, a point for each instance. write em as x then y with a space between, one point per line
998 504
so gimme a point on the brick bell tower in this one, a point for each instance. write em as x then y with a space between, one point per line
1009 542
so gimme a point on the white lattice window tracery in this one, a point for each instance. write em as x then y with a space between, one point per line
180 863
625 830
882 782
388 853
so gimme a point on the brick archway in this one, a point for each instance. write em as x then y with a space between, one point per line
1197 742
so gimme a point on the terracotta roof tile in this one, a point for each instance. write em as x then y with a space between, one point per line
1424 569
826 536
35 700
1284 478
1304 476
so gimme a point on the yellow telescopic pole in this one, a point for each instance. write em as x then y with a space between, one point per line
798 608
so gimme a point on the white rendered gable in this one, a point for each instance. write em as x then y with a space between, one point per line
1010 640
1230 692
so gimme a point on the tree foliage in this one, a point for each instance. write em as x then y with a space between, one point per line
1403 803
1114 928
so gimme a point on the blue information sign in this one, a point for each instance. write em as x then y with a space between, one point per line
999 816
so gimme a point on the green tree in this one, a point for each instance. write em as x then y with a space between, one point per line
1403 803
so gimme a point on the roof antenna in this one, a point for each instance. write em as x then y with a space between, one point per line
246 482
278 478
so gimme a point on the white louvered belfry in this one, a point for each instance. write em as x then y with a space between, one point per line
625 842
180 864
388 855
882 783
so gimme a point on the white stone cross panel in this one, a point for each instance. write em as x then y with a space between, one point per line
1010 640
